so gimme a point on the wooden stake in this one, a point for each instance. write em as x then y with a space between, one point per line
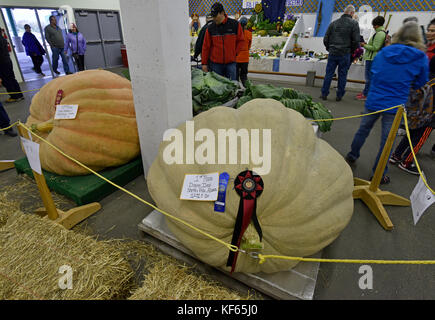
386 152
388 23
369 192
42 184
6 165
67 219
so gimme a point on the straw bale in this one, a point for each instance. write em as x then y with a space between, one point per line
167 279
32 250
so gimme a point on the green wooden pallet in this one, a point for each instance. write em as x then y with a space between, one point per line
90 188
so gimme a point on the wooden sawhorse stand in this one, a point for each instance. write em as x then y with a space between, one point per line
369 192
6 165
67 219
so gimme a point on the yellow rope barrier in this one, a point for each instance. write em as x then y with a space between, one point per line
229 246
357 116
19 91
413 154
262 258
7 128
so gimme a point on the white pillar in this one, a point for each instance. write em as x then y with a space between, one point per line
157 41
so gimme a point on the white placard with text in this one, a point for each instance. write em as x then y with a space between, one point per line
32 152
200 187
421 199
66 111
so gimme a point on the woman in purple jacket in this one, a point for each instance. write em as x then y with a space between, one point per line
77 43
33 49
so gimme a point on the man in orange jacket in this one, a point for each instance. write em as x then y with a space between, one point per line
242 58
222 42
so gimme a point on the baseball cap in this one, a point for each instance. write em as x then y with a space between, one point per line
216 8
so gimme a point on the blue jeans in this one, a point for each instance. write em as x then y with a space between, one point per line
363 132
55 59
4 118
368 76
228 70
343 63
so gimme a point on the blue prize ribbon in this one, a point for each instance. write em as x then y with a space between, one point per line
219 205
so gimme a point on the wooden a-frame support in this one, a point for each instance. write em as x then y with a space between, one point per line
67 219
369 192
6 165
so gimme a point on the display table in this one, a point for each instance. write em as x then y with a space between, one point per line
302 66
266 42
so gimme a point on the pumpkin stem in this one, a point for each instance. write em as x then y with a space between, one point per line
251 240
46 126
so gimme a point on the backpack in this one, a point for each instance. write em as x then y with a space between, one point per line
387 40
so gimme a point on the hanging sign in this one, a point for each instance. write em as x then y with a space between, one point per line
421 199
200 187
32 152
250 4
294 3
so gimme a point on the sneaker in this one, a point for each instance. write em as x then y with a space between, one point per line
10 132
384 180
56 72
401 132
338 98
11 100
323 97
42 74
361 98
68 73
394 159
411 168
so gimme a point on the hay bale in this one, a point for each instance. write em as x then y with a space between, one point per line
32 250
168 280
6 207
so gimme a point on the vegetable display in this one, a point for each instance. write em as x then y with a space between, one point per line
305 203
290 98
210 90
104 131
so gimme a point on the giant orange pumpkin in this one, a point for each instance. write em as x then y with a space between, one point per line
104 132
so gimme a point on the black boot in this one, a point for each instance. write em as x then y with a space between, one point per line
10 132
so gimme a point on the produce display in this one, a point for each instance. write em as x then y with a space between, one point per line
274 52
290 98
261 26
306 198
210 90
104 131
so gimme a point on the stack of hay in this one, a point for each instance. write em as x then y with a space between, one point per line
33 251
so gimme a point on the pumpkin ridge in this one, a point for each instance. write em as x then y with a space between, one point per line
77 152
288 115
100 136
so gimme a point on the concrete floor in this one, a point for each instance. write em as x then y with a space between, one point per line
363 238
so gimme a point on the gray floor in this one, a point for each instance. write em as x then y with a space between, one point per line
363 238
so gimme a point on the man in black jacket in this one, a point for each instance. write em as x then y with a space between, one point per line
5 121
341 39
7 73
200 40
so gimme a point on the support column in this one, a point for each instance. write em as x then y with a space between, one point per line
16 40
157 41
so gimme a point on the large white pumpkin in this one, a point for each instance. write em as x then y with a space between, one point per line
307 197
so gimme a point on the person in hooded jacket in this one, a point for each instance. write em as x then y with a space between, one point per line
242 57
395 70
76 42
33 49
